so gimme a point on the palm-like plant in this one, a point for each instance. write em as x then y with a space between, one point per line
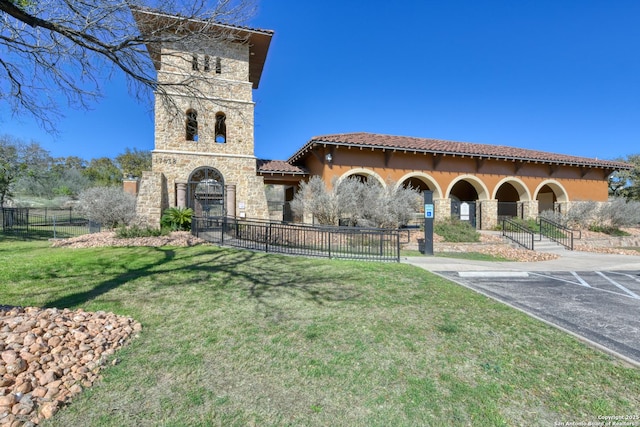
177 219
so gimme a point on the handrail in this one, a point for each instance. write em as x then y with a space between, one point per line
518 233
557 232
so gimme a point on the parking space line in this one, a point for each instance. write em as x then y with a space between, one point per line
626 275
555 278
580 279
618 285
628 293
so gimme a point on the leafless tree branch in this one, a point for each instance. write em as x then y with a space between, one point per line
55 50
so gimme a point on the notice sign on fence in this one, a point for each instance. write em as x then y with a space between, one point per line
464 211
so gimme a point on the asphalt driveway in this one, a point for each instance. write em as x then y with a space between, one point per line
592 296
602 308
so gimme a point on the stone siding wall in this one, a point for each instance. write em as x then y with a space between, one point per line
175 158
238 171
488 215
152 198
171 126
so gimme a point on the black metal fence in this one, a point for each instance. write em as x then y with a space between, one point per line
557 232
299 239
30 223
518 233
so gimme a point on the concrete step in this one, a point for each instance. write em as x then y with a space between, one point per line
546 245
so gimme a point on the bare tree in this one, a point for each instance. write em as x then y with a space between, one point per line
110 206
61 51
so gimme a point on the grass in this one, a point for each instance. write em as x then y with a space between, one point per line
237 338
43 232
454 230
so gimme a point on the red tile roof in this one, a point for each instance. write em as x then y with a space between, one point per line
279 166
437 146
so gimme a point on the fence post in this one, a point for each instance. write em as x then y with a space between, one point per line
54 226
267 238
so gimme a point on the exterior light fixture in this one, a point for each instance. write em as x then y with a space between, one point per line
328 158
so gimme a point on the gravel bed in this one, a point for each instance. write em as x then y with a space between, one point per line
108 238
47 356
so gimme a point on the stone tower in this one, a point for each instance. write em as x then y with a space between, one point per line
204 130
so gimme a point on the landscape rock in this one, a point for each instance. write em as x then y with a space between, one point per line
108 238
60 353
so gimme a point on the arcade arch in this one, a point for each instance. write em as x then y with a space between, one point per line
421 182
510 194
549 193
363 174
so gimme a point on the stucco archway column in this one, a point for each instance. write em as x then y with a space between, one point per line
181 194
488 214
442 209
230 191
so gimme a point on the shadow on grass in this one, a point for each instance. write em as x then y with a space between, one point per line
266 278
108 285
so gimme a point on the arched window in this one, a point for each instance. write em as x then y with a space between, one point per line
207 63
218 65
221 128
194 62
192 125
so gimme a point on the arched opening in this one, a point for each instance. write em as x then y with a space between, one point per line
206 193
221 128
363 175
463 201
416 183
508 201
547 199
191 126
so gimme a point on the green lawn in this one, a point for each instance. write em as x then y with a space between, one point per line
236 338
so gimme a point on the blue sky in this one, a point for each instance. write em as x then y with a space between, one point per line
559 76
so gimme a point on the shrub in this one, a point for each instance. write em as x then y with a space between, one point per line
612 231
454 230
109 206
619 212
177 219
606 217
137 231
363 203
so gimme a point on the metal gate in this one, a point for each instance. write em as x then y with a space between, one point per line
206 193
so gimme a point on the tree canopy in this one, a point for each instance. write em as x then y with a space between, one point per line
28 170
626 183
55 52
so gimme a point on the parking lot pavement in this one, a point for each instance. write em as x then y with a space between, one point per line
600 307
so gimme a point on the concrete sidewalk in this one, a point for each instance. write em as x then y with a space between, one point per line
568 261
